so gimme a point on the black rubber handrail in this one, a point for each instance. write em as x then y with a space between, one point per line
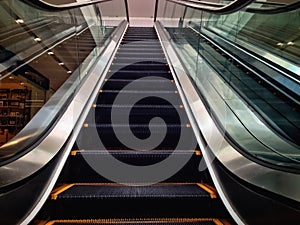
220 8
269 3
274 10
215 8
40 4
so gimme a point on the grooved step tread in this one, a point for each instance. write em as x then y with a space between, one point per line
136 91
118 191
124 152
142 221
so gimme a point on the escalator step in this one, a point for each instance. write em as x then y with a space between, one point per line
155 97
139 46
138 42
77 168
151 109
140 84
143 221
137 113
150 38
172 135
142 129
127 74
107 200
130 60
140 66
117 191
140 54
133 50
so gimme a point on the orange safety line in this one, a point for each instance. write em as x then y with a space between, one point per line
212 192
50 222
74 152
224 222
59 190
218 222
198 152
210 187
43 222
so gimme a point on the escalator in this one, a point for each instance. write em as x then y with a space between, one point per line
277 109
152 146
107 180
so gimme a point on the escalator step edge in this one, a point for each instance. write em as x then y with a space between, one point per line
141 221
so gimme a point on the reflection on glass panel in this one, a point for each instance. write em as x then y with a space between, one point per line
262 119
40 51
276 33
21 96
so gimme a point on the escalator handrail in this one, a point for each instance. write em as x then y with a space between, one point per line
222 148
217 8
40 4
280 9
51 143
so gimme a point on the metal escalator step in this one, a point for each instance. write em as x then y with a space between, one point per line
106 200
141 84
140 38
141 30
138 91
78 169
140 41
135 155
140 66
141 128
170 133
140 54
143 221
148 80
127 74
141 33
144 34
161 153
139 46
132 50
118 191
152 97
171 136
136 39
141 109
137 113
131 60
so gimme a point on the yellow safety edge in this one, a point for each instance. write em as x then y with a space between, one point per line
212 192
59 190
